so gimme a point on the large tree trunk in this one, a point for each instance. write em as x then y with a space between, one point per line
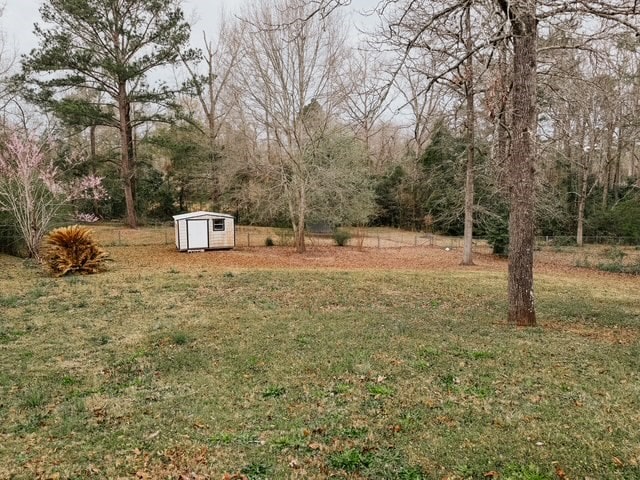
127 155
467 254
522 15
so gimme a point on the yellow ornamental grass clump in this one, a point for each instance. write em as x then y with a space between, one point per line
73 250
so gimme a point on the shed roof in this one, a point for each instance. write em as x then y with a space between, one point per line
201 214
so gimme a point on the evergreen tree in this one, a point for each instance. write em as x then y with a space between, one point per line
92 64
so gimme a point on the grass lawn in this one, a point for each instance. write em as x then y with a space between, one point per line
293 373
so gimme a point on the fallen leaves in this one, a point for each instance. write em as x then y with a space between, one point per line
560 474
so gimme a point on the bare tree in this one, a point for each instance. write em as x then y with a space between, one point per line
470 129
215 94
518 20
363 86
289 69
584 116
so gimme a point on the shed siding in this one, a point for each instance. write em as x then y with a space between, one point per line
217 239
182 225
222 239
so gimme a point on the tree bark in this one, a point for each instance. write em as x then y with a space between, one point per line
522 15
302 207
467 255
582 201
127 155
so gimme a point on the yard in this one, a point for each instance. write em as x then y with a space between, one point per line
260 363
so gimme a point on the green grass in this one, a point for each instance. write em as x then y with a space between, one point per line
278 374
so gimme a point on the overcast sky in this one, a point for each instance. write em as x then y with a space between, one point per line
19 16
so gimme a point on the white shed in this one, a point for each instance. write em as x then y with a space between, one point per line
204 231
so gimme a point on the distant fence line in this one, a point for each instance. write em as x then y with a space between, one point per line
568 240
247 236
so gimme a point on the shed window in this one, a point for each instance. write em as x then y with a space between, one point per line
218 224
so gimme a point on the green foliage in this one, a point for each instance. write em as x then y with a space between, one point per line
620 221
437 190
614 253
180 338
273 392
350 460
341 237
380 390
412 473
497 233
78 75
340 190
441 192
615 262
256 470
34 398
390 209
155 197
76 44
193 166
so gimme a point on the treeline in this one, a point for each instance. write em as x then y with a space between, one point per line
282 118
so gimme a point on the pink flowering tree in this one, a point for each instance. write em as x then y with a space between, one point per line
33 192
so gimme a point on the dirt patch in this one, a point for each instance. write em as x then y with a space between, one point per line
340 258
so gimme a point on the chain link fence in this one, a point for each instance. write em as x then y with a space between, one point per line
115 235
570 240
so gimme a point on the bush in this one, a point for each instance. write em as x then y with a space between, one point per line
498 235
620 221
73 250
619 267
341 237
613 267
269 242
614 254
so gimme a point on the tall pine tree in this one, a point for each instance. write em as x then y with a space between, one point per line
108 47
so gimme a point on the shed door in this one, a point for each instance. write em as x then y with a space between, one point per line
198 236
